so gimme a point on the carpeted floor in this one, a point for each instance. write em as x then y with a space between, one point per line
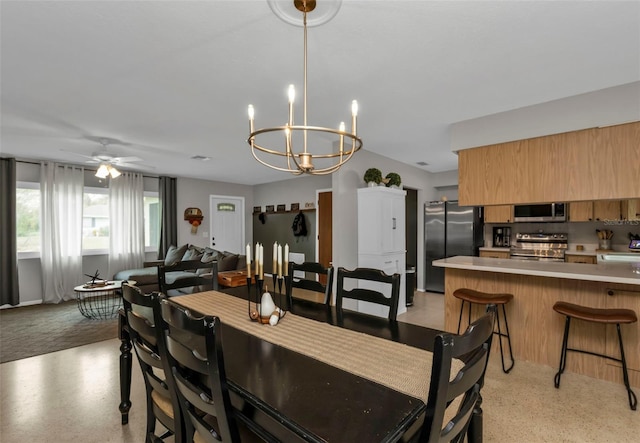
40 329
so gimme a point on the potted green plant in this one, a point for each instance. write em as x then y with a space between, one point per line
393 179
373 176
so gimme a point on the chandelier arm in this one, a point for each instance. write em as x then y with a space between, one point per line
277 168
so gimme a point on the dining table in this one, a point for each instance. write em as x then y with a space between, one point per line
318 375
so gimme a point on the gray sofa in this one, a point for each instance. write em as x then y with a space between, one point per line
146 278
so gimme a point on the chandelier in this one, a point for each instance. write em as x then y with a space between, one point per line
106 170
327 157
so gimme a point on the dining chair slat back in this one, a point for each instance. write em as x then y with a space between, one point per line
196 360
314 284
161 397
463 389
192 274
366 294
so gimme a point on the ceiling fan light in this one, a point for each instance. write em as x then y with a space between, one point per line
102 171
114 172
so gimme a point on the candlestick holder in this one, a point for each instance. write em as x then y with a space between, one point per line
254 297
278 279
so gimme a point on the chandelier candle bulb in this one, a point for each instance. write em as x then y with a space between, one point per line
354 115
251 115
292 97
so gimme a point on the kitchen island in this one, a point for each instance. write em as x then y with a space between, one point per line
536 329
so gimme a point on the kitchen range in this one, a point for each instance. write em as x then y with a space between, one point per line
540 247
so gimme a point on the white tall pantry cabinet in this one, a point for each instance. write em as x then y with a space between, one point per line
382 240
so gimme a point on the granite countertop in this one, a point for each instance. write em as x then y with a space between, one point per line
625 273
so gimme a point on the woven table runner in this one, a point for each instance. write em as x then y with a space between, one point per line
395 365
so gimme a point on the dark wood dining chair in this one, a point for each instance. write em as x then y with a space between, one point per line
366 294
162 400
187 277
196 360
461 391
310 284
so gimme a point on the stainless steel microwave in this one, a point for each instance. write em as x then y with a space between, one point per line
546 212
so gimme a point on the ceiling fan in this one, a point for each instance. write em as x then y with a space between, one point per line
109 161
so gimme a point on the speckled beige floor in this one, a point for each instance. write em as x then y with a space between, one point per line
73 396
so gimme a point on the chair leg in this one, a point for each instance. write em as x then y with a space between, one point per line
633 401
563 352
461 310
500 336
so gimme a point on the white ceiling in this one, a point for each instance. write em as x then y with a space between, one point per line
171 79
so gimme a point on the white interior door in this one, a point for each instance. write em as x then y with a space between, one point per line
227 223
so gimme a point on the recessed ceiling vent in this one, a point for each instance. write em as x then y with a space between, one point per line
201 158
422 163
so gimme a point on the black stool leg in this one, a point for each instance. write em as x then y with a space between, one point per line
633 401
461 310
563 352
500 335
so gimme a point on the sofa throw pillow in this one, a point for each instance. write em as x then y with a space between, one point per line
175 254
227 262
242 262
209 255
193 253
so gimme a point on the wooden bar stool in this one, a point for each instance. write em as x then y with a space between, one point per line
483 298
606 316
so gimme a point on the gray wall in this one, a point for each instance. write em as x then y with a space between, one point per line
619 104
196 193
301 189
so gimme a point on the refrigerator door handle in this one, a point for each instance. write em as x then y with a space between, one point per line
394 222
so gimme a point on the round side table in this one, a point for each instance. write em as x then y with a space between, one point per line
100 301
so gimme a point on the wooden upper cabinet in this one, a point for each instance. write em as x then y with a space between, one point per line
585 165
581 211
630 209
607 210
498 214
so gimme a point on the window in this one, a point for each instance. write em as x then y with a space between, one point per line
28 218
151 221
95 219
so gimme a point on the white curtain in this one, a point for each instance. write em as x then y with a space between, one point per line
126 222
61 227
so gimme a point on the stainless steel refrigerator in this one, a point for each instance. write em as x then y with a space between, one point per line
449 230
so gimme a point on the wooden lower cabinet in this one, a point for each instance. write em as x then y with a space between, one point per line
495 254
575 258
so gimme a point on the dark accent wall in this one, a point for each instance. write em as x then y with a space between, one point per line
278 227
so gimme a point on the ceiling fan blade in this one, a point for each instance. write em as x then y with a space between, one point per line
134 167
79 154
126 159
